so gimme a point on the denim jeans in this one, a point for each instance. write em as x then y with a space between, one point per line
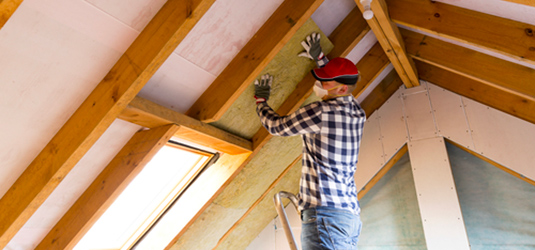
329 228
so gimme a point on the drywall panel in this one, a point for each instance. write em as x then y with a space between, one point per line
364 45
437 196
371 153
418 113
73 185
502 138
450 117
175 77
223 31
392 123
134 13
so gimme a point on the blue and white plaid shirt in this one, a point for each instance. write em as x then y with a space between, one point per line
331 132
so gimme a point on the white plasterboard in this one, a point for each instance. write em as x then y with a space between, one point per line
502 138
331 13
371 153
418 113
392 122
450 116
437 196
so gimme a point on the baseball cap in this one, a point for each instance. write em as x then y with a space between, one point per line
338 69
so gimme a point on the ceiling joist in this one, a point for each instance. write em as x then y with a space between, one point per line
511 38
109 184
7 8
148 114
508 102
510 77
126 78
388 35
252 59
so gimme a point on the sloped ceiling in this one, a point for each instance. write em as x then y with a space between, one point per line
70 69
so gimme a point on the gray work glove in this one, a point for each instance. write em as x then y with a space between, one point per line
313 49
262 88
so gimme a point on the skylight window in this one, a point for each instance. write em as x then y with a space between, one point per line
147 197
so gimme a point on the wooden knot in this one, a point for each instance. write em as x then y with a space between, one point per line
529 31
437 15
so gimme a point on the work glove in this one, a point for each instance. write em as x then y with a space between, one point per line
313 49
262 88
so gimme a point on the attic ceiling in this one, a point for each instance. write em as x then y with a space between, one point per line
94 72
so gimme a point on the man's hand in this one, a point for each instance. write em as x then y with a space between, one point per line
313 49
262 88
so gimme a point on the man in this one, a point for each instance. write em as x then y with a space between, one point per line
331 130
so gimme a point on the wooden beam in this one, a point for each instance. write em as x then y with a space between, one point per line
524 2
370 67
126 78
490 70
388 35
7 8
498 165
252 59
513 104
381 93
395 158
504 36
148 114
345 37
109 184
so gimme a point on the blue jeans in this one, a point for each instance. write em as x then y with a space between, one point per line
329 228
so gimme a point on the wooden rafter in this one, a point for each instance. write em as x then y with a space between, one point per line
7 8
508 76
388 35
98 197
126 78
524 2
508 102
252 59
504 36
370 67
148 114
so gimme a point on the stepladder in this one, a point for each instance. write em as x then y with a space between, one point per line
279 206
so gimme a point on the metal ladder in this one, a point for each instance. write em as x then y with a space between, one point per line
282 215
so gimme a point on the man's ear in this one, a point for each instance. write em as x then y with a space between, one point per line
343 89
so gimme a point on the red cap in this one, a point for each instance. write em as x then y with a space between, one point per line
338 69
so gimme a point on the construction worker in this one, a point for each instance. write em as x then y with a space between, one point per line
331 130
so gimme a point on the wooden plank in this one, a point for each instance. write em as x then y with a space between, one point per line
402 151
388 35
7 8
148 114
370 67
502 167
504 36
152 47
490 70
252 59
524 2
109 184
489 95
381 93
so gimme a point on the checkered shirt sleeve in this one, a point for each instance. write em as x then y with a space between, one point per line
331 132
